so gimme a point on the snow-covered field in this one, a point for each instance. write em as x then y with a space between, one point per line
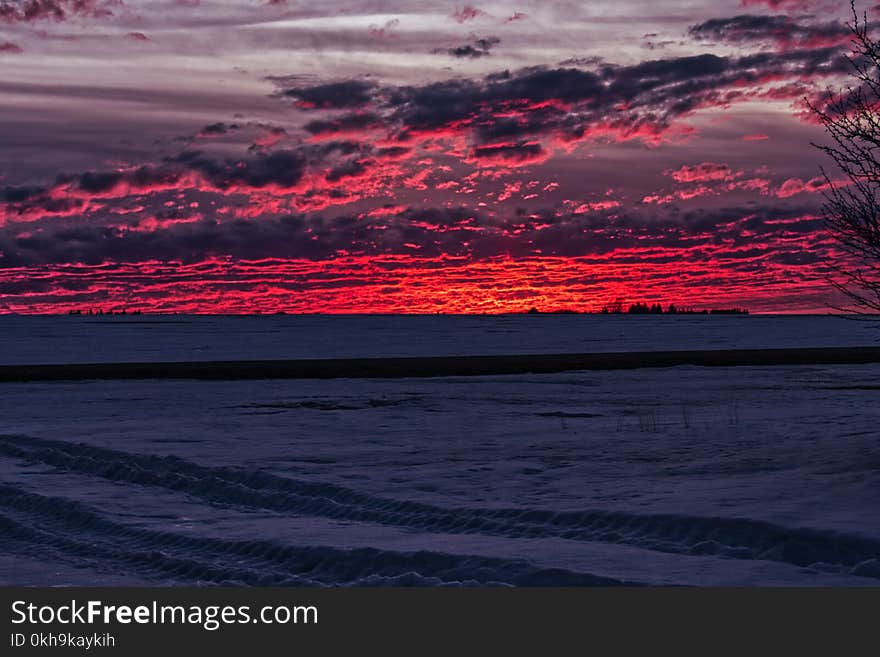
84 339
686 475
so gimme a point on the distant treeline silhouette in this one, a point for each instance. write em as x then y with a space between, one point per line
641 308
101 311
615 308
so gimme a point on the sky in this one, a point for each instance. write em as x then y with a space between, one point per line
257 156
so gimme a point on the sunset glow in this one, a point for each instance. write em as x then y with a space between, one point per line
249 157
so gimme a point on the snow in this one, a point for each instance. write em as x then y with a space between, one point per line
685 475
84 339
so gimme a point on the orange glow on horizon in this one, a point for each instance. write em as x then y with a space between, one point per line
410 285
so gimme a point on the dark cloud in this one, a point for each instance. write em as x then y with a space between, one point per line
355 122
33 10
510 154
140 179
570 102
479 48
284 168
385 142
348 94
476 101
215 129
428 232
510 118
503 120
265 135
190 169
347 169
781 30
19 194
96 183
801 5
393 152
797 258
10 47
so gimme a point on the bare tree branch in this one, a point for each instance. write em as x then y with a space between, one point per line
851 118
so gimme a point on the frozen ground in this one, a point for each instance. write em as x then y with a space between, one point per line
86 339
706 476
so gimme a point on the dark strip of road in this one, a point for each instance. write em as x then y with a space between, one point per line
430 366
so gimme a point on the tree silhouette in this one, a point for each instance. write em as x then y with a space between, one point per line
852 207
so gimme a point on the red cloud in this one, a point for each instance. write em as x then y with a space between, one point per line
757 276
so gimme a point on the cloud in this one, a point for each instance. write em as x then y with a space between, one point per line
791 5
265 135
705 172
523 116
417 283
494 124
352 124
59 10
784 32
388 155
385 31
710 179
479 48
592 230
69 194
511 155
9 47
268 136
306 176
217 129
281 168
794 186
347 94
467 13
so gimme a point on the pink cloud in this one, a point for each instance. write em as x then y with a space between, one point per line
703 172
385 31
794 186
466 13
